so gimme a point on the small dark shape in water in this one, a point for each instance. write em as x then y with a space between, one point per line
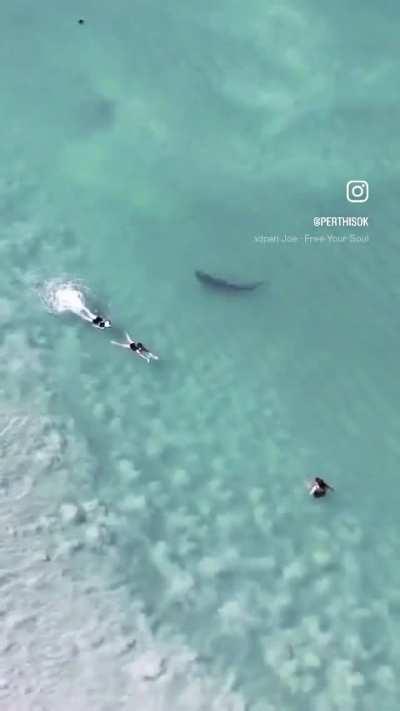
319 488
95 113
225 285
81 22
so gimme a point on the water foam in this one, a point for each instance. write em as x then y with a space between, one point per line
61 296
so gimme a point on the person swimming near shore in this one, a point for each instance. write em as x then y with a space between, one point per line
63 297
101 322
136 347
96 321
318 488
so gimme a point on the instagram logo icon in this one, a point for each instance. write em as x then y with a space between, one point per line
357 191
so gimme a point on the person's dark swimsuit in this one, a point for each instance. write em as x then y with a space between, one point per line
322 488
321 482
98 321
138 347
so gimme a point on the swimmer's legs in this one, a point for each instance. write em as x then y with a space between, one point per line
143 355
86 314
121 345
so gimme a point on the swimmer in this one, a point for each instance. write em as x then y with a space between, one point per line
96 321
61 297
136 347
318 488
101 322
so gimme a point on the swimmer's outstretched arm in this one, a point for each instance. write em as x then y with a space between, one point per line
121 345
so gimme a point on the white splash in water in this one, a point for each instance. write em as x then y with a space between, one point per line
65 296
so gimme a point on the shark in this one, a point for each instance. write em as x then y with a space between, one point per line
224 284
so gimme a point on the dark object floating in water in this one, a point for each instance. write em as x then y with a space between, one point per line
225 285
81 22
94 113
319 488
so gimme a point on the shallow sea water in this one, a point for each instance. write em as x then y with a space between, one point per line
159 549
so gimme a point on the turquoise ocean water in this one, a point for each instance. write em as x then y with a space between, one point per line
159 549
